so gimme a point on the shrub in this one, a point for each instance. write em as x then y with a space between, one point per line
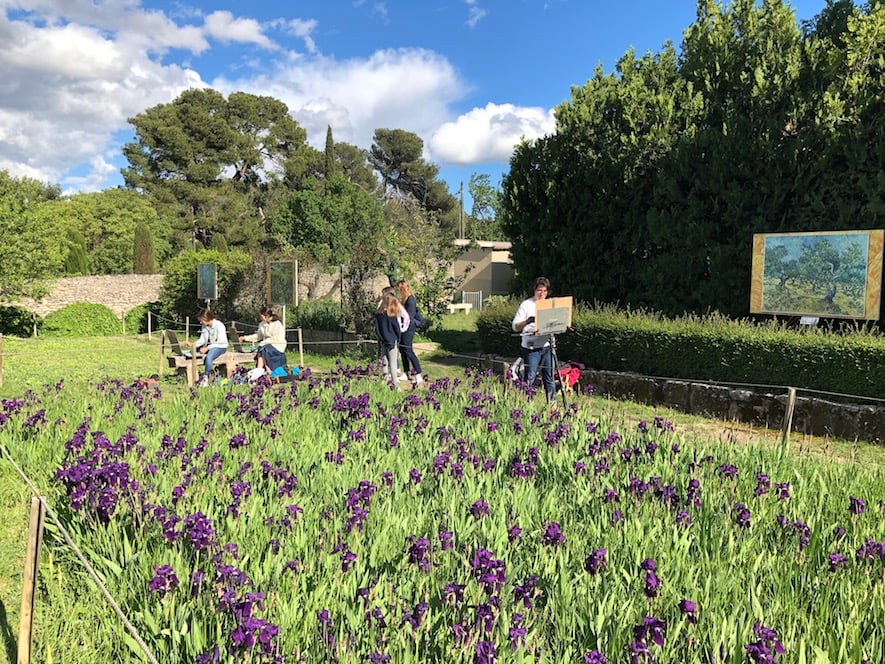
81 319
178 296
136 319
17 321
322 314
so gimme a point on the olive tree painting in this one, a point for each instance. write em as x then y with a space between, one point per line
829 274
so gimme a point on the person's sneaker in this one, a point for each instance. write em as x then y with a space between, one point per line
419 379
402 377
204 382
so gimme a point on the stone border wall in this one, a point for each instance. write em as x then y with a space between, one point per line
817 417
812 416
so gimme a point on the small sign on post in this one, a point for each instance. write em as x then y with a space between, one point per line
207 282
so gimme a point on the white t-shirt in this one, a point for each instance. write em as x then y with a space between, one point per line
529 339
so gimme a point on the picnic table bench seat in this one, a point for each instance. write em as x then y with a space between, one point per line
177 360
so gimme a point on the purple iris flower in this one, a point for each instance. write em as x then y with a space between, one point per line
517 632
689 610
164 580
837 560
596 561
485 653
652 585
763 485
479 509
594 657
552 535
856 506
652 629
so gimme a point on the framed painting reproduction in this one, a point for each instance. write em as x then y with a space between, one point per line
207 282
281 283
834 274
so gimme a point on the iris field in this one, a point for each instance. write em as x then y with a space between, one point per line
334 519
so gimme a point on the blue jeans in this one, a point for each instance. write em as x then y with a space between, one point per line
211 355
540 358
409 359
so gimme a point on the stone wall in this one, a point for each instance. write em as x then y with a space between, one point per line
122 292
812 416
118 292
817 417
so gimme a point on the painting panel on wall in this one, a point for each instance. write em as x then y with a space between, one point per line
836 274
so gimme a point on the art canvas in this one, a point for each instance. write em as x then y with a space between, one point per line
835 274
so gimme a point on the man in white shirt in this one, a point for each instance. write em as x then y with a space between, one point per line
536 352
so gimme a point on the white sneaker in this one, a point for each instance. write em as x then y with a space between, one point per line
204 382
419 379
402 377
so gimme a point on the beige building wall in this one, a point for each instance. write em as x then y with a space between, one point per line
485 266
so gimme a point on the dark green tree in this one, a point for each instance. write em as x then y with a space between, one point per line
76 260
144 260
30 252
396 155
330 167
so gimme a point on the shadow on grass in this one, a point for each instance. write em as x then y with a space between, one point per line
462 342
9 643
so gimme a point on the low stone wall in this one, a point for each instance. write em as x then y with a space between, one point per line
813 416
326 342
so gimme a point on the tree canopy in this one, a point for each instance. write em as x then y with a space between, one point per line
658 174
209 162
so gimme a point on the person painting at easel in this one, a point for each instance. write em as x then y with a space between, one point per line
535 349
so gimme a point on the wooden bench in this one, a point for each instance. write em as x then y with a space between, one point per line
463 307
175 357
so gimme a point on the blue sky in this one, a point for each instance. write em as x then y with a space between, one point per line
471 77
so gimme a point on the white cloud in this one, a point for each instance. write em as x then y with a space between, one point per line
411 89
225 28
485 135
75 70
475 13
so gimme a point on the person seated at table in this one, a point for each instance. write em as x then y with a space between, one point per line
212 343
271 339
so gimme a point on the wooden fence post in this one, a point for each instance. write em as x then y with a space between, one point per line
788 416
29 582
300 349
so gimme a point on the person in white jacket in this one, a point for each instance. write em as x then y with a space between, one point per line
271 339
212 342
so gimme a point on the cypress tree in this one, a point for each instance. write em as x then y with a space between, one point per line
76 261
143 259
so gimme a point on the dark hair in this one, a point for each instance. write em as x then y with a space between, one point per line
269 312
541 281
205 315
